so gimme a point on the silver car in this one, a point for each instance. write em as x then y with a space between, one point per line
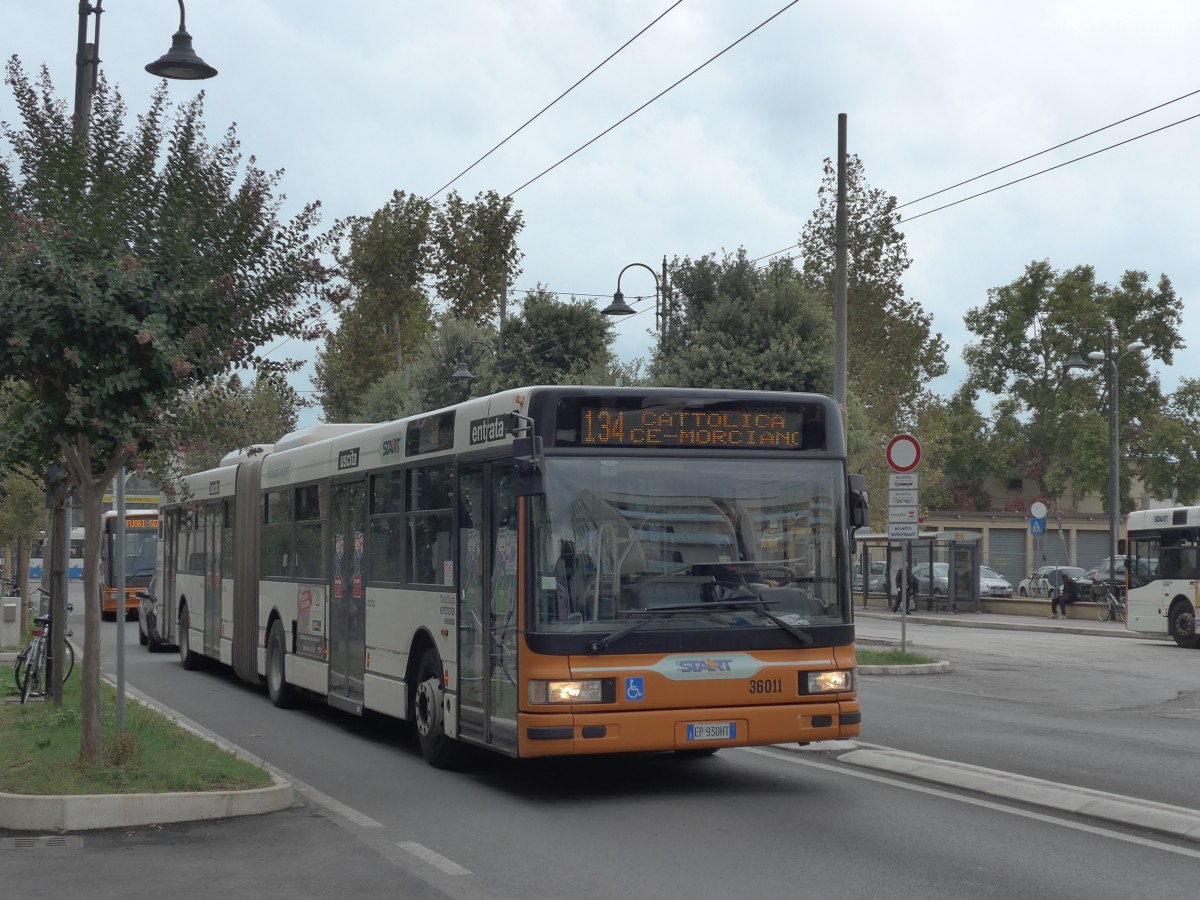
993 583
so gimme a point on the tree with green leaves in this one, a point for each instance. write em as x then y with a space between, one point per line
133 265
465 252
737 326
225 414
388 310
22 518
477 254
546 342
1026 332
549 341
1168 458
892 352
427 384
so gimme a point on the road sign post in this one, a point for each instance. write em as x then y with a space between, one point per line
903 457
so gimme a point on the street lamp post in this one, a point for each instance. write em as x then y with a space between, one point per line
662 311
1112 361
463 373
182 63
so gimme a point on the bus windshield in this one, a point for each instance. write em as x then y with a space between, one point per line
743 541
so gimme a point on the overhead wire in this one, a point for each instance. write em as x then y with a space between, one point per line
536 115
1057 146
781 251
661 93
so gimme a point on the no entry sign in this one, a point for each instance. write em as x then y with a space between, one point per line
903 453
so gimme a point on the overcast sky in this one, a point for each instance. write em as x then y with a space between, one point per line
358 98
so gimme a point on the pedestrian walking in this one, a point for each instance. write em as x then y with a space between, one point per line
906 589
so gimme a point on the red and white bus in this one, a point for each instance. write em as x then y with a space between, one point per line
545 571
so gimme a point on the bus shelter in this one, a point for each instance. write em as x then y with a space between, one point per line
946 563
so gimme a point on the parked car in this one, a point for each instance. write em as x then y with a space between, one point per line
877 582
994 584
1052 575
940 578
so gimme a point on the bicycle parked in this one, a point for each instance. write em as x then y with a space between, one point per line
30 666
1109 607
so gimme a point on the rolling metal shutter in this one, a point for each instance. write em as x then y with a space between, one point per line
1006 553
1092 547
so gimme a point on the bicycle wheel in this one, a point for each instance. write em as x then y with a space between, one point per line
33 672
19 668
1104 604
68 660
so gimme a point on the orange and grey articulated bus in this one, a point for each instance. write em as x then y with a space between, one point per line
542 572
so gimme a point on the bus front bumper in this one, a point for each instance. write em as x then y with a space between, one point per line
564 734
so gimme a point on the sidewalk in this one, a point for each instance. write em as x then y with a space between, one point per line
1085 624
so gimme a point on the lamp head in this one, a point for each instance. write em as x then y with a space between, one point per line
463 373
618 307
1076 361
181 61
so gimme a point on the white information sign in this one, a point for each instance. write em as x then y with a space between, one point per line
898 480
902 497
902 531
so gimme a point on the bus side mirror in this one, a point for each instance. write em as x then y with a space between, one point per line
860 502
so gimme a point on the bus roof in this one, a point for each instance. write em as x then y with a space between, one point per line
1169 517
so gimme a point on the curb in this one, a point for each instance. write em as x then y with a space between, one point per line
934 668
42 812
965 620
1174 821
67 812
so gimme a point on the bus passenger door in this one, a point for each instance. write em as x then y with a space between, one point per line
213 520
488 605
347 604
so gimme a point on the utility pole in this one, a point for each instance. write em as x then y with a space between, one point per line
840 277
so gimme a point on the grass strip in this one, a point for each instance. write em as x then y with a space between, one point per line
893 657
151 755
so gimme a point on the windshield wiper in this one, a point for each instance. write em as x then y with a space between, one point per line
738 602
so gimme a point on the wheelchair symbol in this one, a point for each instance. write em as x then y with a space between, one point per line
635 689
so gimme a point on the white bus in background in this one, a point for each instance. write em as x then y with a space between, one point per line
1163 572
37 554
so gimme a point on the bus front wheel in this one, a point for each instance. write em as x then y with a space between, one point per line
282 694
439 751
188 658
1182 622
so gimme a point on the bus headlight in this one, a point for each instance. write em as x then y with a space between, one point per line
548 692
830 682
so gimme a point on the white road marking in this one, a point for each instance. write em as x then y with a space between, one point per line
786 756
434 859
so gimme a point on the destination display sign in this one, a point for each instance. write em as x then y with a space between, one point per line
141 524
742 427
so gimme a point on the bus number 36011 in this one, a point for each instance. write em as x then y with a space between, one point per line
766 685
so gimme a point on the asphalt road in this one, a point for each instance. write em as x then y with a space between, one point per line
756 823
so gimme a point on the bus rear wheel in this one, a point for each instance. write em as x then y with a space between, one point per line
1182 623
439 751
